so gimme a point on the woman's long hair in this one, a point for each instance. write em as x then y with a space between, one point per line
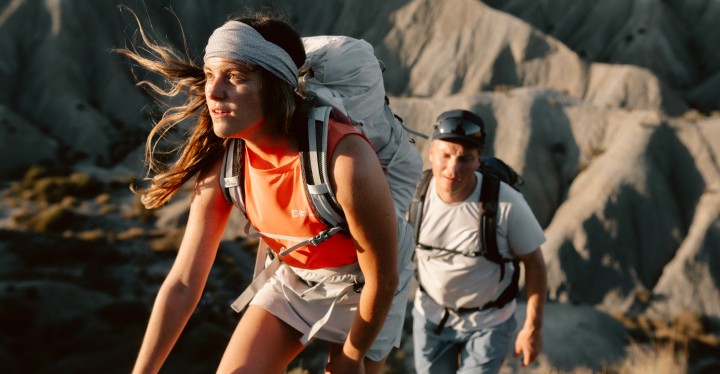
202 148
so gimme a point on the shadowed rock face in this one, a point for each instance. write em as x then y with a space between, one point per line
588 100
672 39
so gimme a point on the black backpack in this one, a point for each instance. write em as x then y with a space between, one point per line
494 171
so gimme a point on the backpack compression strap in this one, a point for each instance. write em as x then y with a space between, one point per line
314 160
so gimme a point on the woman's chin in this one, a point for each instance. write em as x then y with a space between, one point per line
222 131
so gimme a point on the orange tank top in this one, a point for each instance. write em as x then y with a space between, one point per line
276 203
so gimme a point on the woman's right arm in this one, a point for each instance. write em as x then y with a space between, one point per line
180 292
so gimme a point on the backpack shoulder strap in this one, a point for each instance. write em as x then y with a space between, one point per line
232 178
415 211
489 195
314 160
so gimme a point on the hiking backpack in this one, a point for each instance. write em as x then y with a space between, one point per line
346 78
493 171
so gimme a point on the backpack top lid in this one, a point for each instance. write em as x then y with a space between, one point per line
460 125
343 72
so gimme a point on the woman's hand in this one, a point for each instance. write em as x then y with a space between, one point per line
341 363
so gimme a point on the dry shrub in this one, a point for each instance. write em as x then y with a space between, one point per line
21 216
92 235
685 327
41 184
168 242
131 233
11 201
684 342
108 209
139 212
103 198
653 359
69 201
105 205
54 218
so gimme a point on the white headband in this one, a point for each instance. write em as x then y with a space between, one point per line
238 41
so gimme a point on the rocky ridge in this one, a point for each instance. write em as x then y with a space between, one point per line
591 102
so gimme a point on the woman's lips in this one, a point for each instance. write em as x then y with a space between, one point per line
219 112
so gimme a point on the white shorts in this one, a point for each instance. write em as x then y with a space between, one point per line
302 297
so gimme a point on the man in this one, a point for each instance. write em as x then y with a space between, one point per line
462 323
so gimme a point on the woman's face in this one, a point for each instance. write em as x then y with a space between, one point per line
232 92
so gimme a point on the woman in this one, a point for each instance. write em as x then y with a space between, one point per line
247 89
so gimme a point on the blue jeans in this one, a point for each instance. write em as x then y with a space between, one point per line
481 351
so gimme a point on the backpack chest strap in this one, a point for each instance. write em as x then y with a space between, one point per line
301 241
263 276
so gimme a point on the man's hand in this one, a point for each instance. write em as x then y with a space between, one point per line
529 339
529 344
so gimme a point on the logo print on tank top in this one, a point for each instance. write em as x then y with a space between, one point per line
299 213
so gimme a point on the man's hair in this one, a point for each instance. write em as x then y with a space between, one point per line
467 144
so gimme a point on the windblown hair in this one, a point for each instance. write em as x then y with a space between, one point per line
282 106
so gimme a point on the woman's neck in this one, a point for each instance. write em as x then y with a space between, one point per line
272 152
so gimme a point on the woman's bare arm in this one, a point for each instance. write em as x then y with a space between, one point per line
362 191
180 292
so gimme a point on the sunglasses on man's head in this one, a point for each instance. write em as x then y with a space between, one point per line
459 126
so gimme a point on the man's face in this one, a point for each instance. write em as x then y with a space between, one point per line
453 166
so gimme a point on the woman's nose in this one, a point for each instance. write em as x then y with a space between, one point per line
213 88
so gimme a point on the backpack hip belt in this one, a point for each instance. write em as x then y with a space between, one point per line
271 268
261 277
505 297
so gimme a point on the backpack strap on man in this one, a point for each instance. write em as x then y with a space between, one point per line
489 197
314 166
489 194
415 211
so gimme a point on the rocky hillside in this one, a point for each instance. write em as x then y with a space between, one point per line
608 109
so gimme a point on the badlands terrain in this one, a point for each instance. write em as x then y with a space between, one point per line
610 111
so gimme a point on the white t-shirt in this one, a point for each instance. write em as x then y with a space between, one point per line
459 281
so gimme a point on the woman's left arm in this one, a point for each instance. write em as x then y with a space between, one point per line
363 192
